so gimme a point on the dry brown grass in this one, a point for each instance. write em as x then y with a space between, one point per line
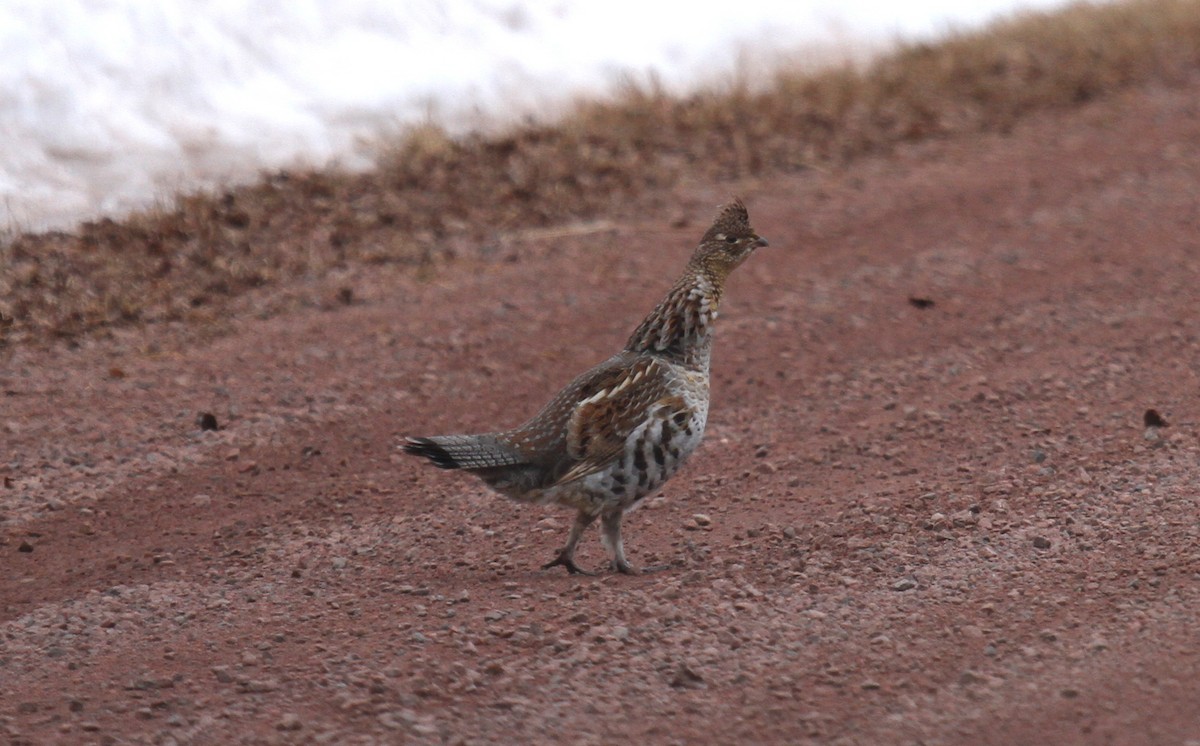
434 192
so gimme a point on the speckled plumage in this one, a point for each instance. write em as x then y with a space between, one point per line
620 430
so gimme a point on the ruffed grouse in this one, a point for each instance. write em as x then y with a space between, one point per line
621 429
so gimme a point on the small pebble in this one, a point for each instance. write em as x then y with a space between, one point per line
687 678
1151 418
290 721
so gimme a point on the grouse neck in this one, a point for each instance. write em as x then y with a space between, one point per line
680 327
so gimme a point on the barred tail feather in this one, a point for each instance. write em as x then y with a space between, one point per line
426 447
463 451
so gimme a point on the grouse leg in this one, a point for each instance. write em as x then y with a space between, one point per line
566 555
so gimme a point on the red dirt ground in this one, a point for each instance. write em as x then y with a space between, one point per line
942 525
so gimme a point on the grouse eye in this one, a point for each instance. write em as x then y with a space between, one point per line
731 239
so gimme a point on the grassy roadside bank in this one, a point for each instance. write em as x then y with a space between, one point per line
433 192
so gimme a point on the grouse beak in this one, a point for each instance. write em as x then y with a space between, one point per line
760 242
